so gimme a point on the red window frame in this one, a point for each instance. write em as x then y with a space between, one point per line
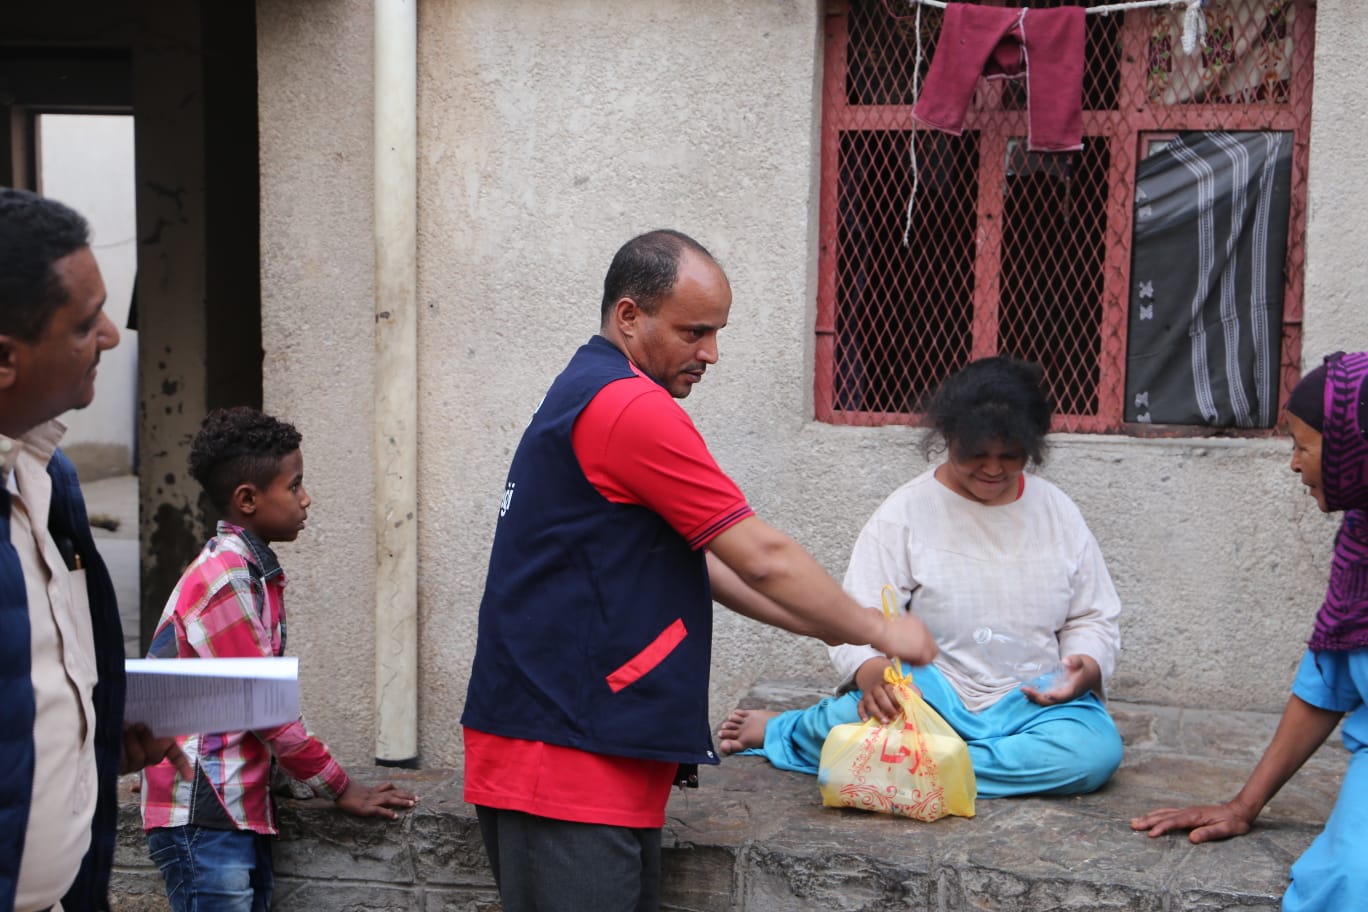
1126 130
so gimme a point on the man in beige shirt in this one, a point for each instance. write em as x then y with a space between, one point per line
63 739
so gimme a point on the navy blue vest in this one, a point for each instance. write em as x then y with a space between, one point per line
596 624
70 527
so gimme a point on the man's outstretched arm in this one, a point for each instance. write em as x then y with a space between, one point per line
795 593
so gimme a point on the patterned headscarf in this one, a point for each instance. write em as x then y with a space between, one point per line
1342 622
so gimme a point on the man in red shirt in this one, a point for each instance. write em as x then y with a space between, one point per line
617 530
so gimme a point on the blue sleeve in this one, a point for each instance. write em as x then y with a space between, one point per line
1324 680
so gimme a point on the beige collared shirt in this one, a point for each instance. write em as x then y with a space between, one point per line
64 675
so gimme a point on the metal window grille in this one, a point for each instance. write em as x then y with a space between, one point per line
1016 252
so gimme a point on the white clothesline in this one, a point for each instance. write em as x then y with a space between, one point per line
1109 8
1194 23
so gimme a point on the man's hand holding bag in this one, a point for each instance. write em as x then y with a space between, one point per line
915 766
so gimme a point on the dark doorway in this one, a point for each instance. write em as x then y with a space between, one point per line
183 73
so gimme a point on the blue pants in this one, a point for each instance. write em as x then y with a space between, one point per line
1017 747
208 870
1330 875
546 865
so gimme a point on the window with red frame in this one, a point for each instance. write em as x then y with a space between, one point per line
938 249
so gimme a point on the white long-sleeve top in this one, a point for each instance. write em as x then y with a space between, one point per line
1030 568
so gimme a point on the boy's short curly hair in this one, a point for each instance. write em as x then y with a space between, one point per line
236 446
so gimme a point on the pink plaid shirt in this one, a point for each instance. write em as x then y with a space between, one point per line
230 603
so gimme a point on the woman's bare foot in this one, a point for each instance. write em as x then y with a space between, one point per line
744 728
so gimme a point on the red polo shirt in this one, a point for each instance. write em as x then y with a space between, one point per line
636 445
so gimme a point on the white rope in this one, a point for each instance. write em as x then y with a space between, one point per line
1194 27
912 137
1194 23
1108 8
1194 34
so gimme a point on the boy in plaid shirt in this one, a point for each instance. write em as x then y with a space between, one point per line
210 834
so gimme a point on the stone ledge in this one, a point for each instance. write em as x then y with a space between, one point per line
755 839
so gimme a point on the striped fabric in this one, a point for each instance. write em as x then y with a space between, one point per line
1206 304
1342 622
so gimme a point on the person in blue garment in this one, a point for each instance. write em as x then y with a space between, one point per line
1327 415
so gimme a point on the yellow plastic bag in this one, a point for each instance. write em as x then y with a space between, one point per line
915 766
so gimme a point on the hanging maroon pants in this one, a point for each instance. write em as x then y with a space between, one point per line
1043 45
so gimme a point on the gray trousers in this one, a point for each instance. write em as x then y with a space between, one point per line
545 865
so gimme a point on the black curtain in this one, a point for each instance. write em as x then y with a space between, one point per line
1210 245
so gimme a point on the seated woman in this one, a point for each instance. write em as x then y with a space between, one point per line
976 543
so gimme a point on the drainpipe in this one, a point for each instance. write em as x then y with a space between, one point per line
396 383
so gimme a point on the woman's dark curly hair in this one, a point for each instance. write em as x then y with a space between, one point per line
993 399
236 446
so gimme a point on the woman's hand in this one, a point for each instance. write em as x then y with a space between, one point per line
878 700
1301 730
1205 821
1080 675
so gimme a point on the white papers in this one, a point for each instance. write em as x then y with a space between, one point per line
188 696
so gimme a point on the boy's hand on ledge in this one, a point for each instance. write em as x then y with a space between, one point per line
363 801
140 750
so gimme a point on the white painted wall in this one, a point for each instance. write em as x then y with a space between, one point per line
549 134
86 161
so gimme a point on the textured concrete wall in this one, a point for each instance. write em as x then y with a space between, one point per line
549 133
1336 269
317 285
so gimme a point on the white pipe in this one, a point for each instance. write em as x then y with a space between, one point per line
396 382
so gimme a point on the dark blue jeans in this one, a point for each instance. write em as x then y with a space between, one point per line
544 865
209 870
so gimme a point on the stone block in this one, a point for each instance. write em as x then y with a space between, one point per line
976 889
779 880
461 899
1250 872
1046 854
293 895
447 848
138 891
698 878
318 842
